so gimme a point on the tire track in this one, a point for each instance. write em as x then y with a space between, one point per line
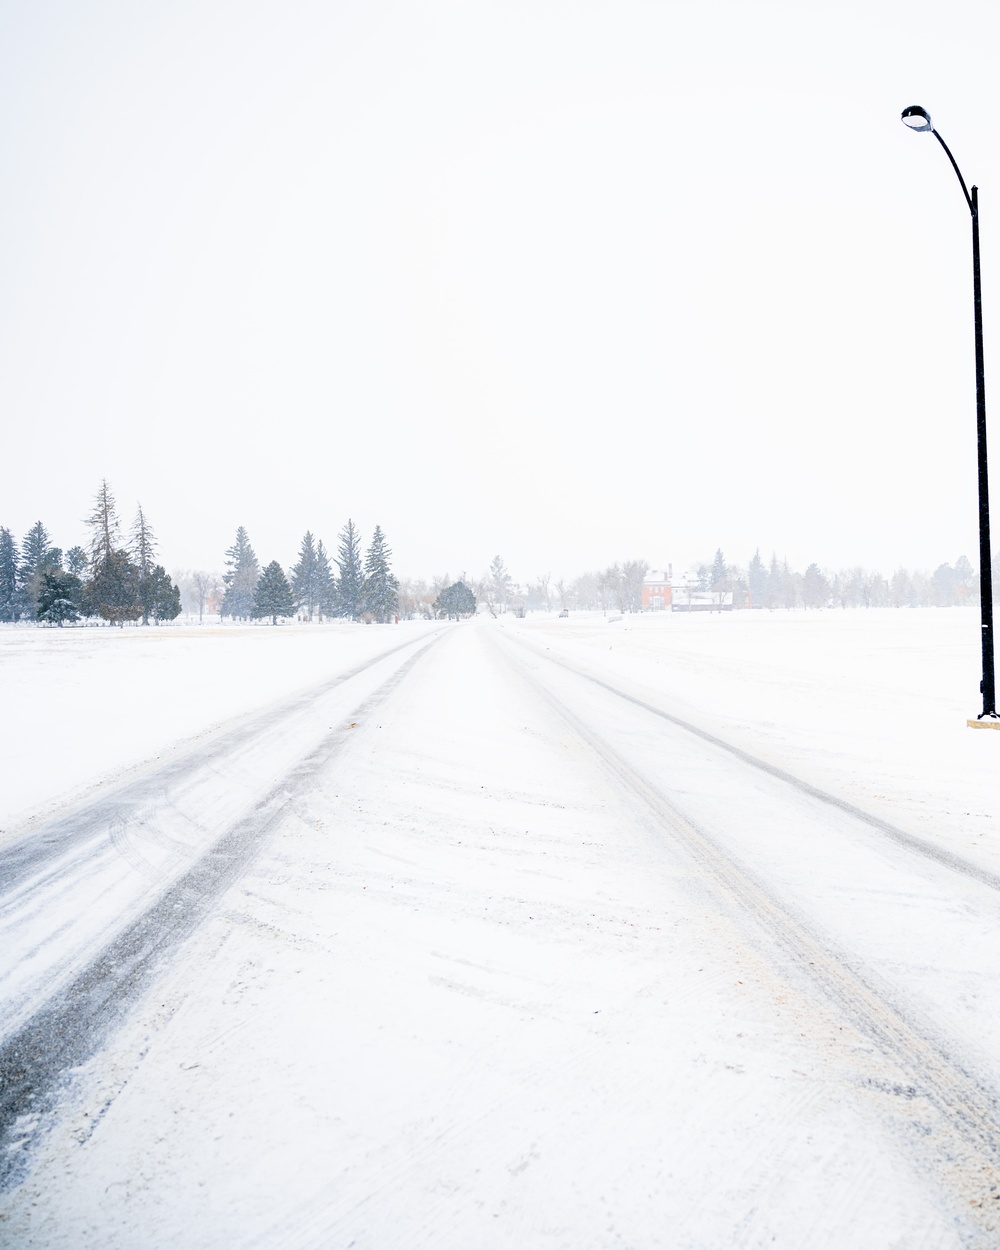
70 1027
38 849
910 841
96 870
955 1114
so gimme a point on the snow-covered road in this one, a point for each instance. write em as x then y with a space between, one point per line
497 948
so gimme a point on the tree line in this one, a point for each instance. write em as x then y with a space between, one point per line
116 578
618 587
777 585
770 585
350 587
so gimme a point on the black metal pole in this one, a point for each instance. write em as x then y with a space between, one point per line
988 684
985 558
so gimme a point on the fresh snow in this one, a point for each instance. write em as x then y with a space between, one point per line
521 962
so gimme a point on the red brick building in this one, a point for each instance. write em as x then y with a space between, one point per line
656 591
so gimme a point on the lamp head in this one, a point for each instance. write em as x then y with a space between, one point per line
916 118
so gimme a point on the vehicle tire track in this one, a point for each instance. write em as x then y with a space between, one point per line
75 1022
956 1114
910 841
31 854
96 870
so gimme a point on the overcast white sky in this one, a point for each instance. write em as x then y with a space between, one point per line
566 281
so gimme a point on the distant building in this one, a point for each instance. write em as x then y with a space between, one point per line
688 596
661 591
656 589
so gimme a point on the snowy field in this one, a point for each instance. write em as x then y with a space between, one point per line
670 931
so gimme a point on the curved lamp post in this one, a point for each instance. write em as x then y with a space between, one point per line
919 119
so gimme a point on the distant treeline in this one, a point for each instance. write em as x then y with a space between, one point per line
778 585
772 585
116 579
618 587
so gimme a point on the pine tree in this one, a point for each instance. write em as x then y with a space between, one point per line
142 549
350 583
456 600
36 558
790 585
273 595
10 602
159 597
241 579
717 576
774 591
499 584
757 580
104 526
76 561
34 548
380 586
815 588
59 598
326 588
113 591
304 577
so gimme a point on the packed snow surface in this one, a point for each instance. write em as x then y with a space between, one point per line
663 931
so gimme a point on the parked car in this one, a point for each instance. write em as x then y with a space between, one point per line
564 612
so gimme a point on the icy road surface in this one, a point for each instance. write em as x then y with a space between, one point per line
520 934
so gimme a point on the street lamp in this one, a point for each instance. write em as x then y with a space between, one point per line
919 119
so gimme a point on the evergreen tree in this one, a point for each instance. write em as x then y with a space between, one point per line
326 587
143 551
500 584
34 548
305 576
158 597
380 586
456 601
113 591
36 559
273 596
943 581
76 561
104 526
717 579
757 580
350 582
815 587
774 591
241 578
10 601
59 598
